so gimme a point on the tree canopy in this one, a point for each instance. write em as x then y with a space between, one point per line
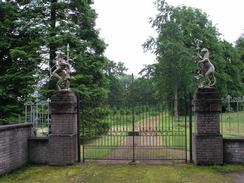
31 32
178 28
19 59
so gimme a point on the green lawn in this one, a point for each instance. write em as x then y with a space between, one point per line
123 173
102 147
232 124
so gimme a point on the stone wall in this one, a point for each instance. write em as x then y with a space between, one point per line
13 146
38 150
234 150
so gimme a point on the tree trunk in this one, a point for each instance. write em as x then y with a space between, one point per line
52 34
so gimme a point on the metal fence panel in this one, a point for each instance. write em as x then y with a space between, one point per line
232 117
37 113
146 132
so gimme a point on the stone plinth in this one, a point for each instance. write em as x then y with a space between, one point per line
63 137
207 140
38 150
207 149
62 149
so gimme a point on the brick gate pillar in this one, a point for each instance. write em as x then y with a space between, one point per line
63 137
207 140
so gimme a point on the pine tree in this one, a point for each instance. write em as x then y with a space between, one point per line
42 28
73 23
19 59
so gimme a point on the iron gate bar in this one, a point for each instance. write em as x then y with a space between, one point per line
152 126
78 126
83 142
133 135
190 126
186 112
133 121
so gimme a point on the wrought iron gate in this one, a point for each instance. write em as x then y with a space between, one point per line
145 132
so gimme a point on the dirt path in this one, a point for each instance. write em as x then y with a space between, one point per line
238 177
149 144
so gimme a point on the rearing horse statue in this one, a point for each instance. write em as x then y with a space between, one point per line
206 68
62 71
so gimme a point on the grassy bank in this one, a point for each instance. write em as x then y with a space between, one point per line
94 173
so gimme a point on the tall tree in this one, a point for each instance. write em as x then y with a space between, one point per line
19 59
178 28
240 49
143 92
36 29
73 22
233 67
117 87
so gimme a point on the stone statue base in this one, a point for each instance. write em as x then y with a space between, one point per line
63 137
207 140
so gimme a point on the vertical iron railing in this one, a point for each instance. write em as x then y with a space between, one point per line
232 117
190 127
133 122
82 125
186 113
37 113
78 127
141 132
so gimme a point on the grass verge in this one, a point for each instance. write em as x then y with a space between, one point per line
93 173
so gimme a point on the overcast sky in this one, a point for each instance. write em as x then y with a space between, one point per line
124 26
